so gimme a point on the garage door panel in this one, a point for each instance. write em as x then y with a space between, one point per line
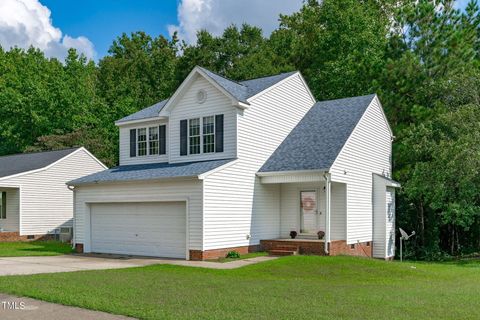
151 229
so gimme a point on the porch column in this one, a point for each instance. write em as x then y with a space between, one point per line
328 196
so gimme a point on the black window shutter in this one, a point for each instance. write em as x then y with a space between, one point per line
3 214
133 142
183 137
162 139
219 133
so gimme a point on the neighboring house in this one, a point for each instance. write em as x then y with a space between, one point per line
35 200
225 165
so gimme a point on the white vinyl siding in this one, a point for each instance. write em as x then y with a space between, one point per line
367 151
383 219
390 222
290 208
125 158
187 107
12 222
128 192
46 201
236 205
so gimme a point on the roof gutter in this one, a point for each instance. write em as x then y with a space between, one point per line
121 123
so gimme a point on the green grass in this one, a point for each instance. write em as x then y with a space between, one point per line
34 248
242 257
297 287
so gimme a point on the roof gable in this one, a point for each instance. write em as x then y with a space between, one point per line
319 137
25 162
238 92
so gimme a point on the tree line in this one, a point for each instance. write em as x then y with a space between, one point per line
421 57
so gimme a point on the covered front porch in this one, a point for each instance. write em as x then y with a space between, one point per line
312 208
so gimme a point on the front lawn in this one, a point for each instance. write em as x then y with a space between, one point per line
34 248
297 287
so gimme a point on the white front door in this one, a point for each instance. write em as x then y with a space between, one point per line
308 211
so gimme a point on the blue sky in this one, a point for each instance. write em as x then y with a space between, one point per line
90 26
101 21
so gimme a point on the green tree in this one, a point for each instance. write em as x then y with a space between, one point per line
338 45
238 54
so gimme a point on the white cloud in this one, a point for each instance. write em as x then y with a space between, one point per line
25 23
216 15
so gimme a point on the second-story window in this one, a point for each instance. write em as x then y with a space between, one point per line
142 141
153 140
208 134
194 135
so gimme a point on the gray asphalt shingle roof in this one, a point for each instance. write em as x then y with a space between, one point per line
19 163
319 137
240 90
154 171
146 113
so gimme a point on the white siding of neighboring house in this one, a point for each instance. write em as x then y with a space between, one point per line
172 190
290 208
47 203
236 204
13 210
125 158
187 107
367 151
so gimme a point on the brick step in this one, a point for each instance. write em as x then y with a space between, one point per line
277 252
286 247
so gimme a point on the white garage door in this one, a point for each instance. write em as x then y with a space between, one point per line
146 229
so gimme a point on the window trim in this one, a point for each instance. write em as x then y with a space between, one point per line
156 140
213 134
147 141
202 151
200 123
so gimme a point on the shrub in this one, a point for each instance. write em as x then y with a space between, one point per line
233 254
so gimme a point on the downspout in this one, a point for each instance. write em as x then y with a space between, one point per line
328 192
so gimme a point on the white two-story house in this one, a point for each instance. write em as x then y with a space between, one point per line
225 165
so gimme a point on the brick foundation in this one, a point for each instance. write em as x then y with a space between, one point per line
198 255
79 247
340 247
315 247
15 236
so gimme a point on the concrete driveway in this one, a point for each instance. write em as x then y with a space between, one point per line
69 263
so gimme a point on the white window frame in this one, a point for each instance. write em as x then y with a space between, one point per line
150 141
200 123
146 142
201 134
212 134
147 130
